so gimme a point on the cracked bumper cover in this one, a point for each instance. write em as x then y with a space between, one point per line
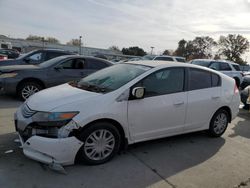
51 150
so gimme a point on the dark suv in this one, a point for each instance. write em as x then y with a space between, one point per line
35 57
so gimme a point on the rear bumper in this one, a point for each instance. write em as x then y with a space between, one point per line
51 150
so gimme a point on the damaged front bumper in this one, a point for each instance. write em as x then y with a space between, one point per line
51 150
52 146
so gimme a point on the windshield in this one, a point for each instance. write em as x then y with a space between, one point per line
25 55
51 62
148 57
112 78
201 63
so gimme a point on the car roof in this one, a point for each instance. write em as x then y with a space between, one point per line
217 60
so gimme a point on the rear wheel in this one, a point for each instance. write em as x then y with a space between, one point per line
219 123
26 89
101 142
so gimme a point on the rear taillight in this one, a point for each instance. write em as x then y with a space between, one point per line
236 90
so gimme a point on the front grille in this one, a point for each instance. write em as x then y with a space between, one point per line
26 111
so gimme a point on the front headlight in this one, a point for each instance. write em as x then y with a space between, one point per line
8 75
53 116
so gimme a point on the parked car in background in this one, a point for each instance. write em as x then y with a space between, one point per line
163 58
227 67
25 80
3 57
10 53
244 95
245 82
90 121
35 57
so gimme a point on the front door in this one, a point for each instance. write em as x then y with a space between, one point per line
162 111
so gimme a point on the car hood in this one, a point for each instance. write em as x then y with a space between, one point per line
49 99
10 62
17 67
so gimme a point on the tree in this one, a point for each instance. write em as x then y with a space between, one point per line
166 52
181 49
135 50
233 46
74 42
35 38
52 40
43 39
114 48
200 47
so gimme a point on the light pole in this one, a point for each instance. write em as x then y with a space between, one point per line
80 45
152 48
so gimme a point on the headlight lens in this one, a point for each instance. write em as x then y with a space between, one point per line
53 116
8 75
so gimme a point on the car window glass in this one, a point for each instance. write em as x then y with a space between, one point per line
164 59
225 67
180 59
199 79
215 66
163 82
216 81
236 67
51 55
201 63
96 64
73 64
36 56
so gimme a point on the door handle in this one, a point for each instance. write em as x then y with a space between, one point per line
179 103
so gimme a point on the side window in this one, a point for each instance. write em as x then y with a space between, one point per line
51 55
164 59
73 64
236 67
215 66
199 79
96 64
36 57
216 80
225 67
163 82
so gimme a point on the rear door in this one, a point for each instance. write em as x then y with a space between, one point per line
204 93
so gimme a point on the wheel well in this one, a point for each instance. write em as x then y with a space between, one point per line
226 108
30 80
124 141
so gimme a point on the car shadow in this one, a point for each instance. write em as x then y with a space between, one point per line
242 128
142 165
7 101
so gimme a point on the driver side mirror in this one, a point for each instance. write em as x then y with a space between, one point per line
138 92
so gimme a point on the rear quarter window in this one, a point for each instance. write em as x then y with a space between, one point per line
164 59
199 79
96 64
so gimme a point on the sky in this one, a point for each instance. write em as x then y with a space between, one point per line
124 23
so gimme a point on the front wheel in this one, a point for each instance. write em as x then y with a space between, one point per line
101 142
218 123
26 89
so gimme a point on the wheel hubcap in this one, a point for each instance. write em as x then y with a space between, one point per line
28 91
220 123
99 144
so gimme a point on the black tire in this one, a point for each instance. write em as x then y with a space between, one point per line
24 85
82 155
213 129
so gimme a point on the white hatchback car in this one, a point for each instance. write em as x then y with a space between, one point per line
93 119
